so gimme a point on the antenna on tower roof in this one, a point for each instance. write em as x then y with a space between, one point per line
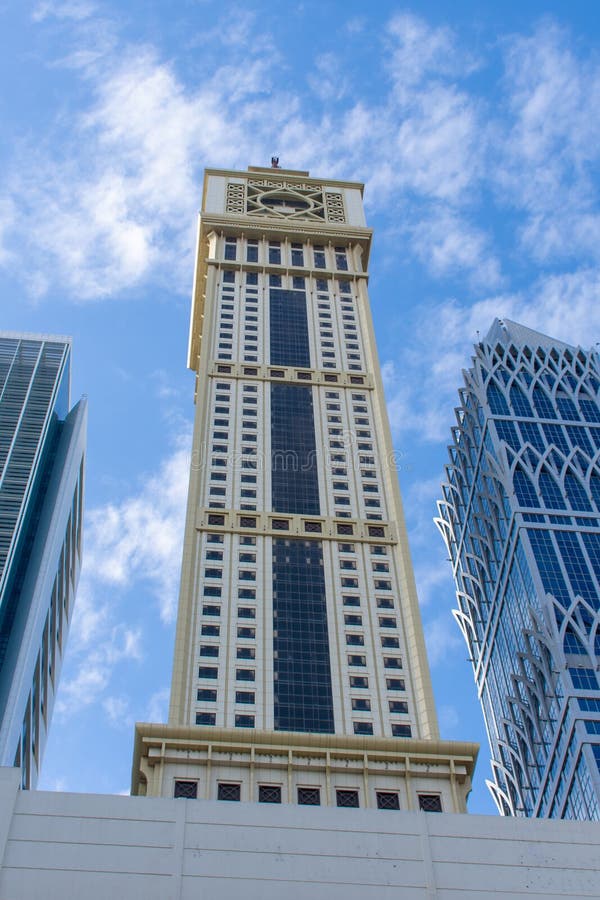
275 162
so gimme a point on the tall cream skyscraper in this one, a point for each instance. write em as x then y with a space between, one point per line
300 673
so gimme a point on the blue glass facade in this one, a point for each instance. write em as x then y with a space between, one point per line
41 493
302 675
288 328
520 516
294 480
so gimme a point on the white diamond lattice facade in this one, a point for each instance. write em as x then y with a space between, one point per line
42 447
520 516
300 673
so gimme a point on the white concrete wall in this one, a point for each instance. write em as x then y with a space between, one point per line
72 846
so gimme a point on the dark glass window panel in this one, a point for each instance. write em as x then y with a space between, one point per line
246 612
294 480
395 684
211 630
206 694
242 721
187 790
211 610
244 697
355 640
206 718
245 674
398 706
401 731
289 328
392 662
302 675
208 672
387 800
268 793
363 728
362 703
251 256
430 802
246 632
354 660
319 257
309 796
209 650
346 798
390 642
216 520
245 652
229 791
359 681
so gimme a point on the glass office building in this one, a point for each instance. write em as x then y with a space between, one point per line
300 672
42 445
520 516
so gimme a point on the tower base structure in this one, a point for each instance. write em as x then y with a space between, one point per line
306 769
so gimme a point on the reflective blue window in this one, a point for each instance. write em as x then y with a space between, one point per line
520 403
294 479
301 668
548 565
576 494
584 679
550 491
567 408
524 489
590 410
289 328
497 400
507 432
543 405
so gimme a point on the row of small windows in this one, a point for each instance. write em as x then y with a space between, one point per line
231 791
249 423
323 287
250 332
276 253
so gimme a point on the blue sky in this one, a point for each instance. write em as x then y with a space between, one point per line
476 129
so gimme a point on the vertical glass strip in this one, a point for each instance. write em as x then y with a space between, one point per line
301 669
289 328
294 480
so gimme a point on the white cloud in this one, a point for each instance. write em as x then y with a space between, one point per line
94 667
328 79
134 544
158 706
118 204
63 9
442 638
417 50
140 538
451 245
118 712
551 144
